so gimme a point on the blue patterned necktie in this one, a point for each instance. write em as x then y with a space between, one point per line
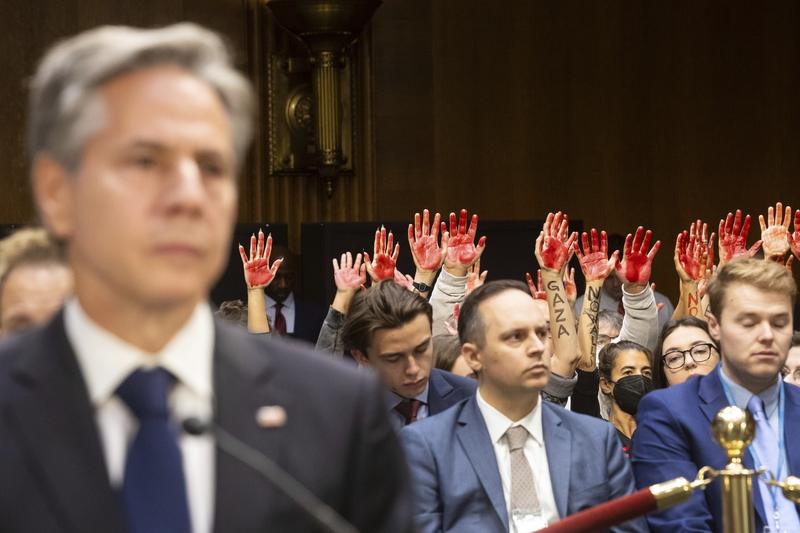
153 490
767 453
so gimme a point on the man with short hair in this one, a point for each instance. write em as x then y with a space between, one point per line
136 137
388 329
34 280
503 459
751 318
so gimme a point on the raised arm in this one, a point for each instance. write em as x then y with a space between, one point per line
775 236
462 253
553 250
732 241
694 259
640 323
427 252
349 276
257 275
596 267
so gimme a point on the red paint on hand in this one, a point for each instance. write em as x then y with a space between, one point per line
257 270
733 238
637 262
461 248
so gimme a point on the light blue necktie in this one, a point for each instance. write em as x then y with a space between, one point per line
767 453
154 489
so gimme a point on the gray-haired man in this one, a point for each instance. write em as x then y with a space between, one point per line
135 139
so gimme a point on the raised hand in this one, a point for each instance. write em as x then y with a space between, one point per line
775 237
349 275
553 246
424 243
594 259
733 238
794 238
694 252
637 262
537 290
257 270
404 280
382 265
475 278
461 249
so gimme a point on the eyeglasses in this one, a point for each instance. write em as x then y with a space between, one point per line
699 353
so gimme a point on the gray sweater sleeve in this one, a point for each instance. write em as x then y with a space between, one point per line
559 389
330 336
447 291
640 323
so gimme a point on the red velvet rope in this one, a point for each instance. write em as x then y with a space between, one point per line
606 515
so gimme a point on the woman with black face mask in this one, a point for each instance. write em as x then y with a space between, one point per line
626 375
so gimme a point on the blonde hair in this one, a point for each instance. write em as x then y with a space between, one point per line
765 275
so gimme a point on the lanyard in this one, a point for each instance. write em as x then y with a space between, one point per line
773 491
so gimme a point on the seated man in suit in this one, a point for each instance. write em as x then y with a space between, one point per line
388 329
503 459
751 318
136 137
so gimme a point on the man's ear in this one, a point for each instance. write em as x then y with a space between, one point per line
53 194
472 356
360 357
713 327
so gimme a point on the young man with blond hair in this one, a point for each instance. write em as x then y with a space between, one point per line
751 318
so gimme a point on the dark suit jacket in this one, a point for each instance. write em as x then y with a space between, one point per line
673 438
457 484
308 318
446 389
337 440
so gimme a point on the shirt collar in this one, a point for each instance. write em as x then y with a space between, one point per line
497 423
288 303
106 360
741 396
392 398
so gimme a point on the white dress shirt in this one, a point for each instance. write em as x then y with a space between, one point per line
287 311
106 361
497 424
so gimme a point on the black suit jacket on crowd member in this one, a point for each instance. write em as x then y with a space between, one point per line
336 441
308 318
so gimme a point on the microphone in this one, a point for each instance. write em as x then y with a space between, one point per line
324 514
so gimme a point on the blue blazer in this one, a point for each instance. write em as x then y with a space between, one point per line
457 484
673 438
446 389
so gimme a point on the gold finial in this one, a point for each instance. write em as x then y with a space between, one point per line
733 429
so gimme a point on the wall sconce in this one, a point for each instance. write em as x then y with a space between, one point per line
314 91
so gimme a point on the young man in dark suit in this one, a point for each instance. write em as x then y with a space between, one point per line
751 304
388 328
136 137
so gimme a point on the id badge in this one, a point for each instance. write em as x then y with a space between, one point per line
524 522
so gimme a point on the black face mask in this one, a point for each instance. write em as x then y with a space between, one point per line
629 390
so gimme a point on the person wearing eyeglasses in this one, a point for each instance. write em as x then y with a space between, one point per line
687 350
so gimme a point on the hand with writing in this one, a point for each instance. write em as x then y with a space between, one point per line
257 271
775 238
349 275
594 259
424 242
637 262
475 278
732 240
461 249
537 290
553 245
794 238
382 265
